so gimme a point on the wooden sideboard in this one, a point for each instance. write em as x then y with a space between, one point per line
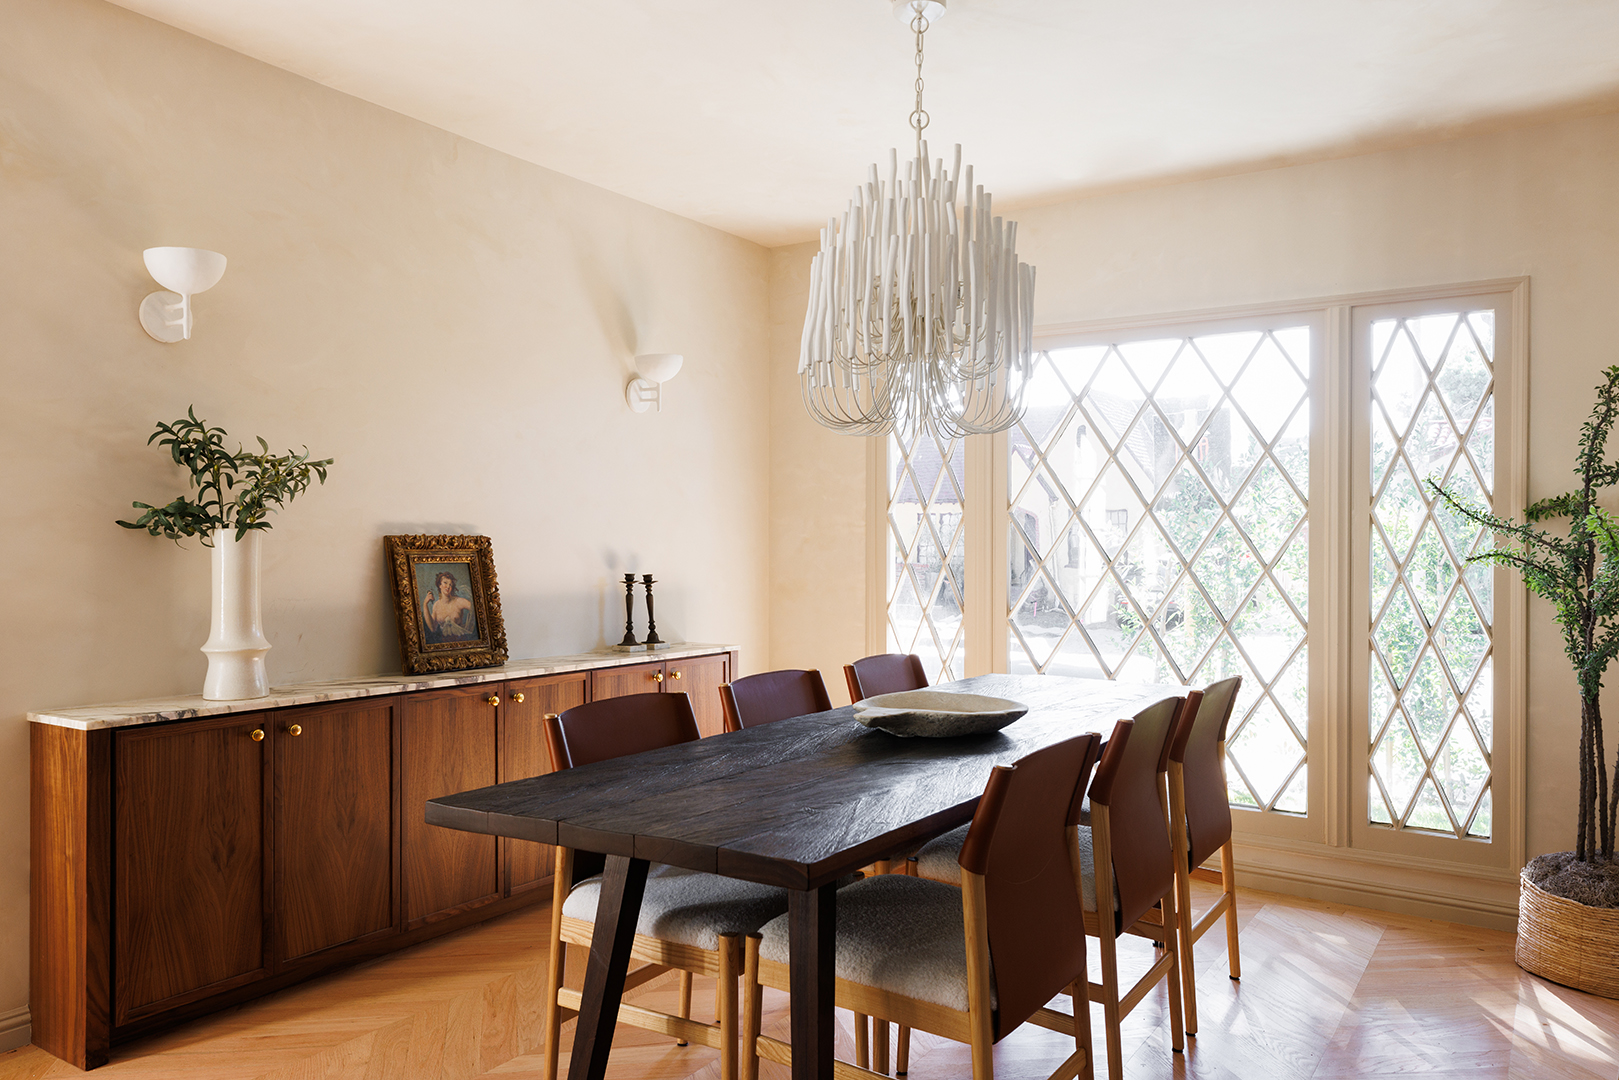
189 855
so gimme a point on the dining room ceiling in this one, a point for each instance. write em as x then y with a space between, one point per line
759 116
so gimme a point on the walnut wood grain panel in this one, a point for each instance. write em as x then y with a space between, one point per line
523 754
447 744
700 677
70 881
334 852
630 679
190 847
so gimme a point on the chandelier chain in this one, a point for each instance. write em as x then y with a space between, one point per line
919 116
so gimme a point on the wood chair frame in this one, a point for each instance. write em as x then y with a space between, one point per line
972 1027
1161 925
723 965
1194 926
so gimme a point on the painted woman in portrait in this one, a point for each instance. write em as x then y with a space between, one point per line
447 614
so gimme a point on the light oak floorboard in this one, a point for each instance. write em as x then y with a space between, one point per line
1328 993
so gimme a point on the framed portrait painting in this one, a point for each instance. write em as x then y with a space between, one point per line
447 601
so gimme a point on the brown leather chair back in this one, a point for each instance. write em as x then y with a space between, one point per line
1018 841
885 673
617 726
1196 747
1127 784
771 696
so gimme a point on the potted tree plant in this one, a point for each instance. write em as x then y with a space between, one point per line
1568 912
235 491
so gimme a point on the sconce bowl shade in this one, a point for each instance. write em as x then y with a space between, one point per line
659 367
185 270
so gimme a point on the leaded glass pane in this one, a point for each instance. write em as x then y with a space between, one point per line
1430 723
1158 532
926 556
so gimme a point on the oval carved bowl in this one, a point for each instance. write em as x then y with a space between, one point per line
936 713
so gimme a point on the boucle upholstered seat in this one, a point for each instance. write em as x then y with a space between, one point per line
688 907
899 934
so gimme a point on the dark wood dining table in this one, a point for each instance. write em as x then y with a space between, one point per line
800 803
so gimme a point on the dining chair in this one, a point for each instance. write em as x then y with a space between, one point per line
885 673
1128 869
1200 823
689 921
772 695
970 963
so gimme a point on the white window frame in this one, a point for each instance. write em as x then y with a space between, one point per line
1332 845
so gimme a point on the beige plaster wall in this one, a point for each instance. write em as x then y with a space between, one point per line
454 326
1541 201
817 505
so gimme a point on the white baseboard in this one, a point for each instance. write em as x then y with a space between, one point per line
16 1028
1382 883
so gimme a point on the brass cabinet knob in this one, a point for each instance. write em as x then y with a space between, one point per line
518 697
257 734
657 676
677 674
295 729
493 699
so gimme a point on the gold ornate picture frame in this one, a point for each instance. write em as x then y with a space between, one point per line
447 601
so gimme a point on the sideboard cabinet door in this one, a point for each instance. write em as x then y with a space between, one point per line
190 856
334 843
699 677
523 754
614 682
447 744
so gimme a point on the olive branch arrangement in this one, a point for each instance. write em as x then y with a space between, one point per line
233 490
1579 575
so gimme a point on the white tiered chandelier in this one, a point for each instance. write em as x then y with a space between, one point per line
920 314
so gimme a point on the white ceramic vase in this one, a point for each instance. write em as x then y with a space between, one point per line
236 644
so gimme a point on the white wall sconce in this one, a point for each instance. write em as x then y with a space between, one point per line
655 369
166 316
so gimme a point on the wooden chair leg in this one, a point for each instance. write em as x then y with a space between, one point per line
1228 882
902 1052
879 1044
752 1007
725 1008
1082 1026
685 1000
1109 1000
862 1051
1177 1024
556 963
1183 924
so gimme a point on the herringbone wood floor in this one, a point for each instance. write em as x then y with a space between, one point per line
1327 992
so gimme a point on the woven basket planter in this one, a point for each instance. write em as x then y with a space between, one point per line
1568 942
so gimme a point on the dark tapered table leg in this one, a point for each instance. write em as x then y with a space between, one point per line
623 884
812 929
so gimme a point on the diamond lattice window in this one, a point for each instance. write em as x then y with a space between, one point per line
926 558
1158 532
1431 692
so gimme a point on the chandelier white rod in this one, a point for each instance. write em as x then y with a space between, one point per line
920 314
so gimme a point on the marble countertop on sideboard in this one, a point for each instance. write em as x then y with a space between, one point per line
159 710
